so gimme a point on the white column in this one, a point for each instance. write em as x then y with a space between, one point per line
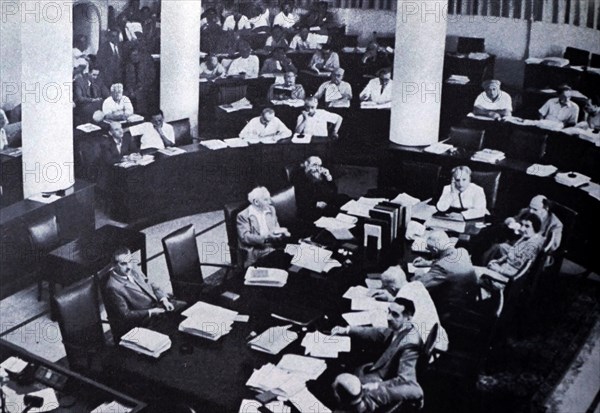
179 60
418 71
46 95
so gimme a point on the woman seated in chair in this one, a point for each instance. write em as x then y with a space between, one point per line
463 195
508 259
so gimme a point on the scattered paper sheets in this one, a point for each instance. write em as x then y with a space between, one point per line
446 224
373 284
214 144
241 104
147 342
314 258
357 291
375 318
273 339
308 367
405 200
368 304
322 345
541 170
277 380
305 401
207 321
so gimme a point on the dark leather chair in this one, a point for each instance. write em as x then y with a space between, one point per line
80 325
284 202
490 182
44 236
527 146
183 262
471 139
595 60
470 45
420 179
568 217
231 211
291 170
182 131
577 57
230 94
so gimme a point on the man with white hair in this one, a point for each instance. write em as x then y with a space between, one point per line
462 195
267 125
257 226
336 92
117 107
492 102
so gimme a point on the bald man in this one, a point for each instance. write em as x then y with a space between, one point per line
492 102
336 92
117 144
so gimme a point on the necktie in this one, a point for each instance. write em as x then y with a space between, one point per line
382 87
460 200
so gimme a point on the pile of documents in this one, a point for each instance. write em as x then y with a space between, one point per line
458 80
265 277
113 407
88 127
313 258
362 206
147 342
273 339
339 226
171 151
13 365
214 144
295 103
438 148
207 321
305 401
276 380
572 179
136 160
541 170
241 104
321 345
366 310
488 155
307 367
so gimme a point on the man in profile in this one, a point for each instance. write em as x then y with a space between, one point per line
316 192
561 109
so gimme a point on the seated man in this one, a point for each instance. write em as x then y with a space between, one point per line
276 39
286 90
320 16
88 94
211 69
313 121
462 195
257 226
316 193
392 378
324 60
509 259
246 65
155 134
260 17
379 90
267 125
286 18
561 108
374 59
117 107
336 92
278 63
451 280
305 40
236 21
592 116
116 145
492 102
131 297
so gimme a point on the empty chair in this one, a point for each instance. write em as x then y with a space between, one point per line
471 139
230 94
80 325
183 262
577 57
181 131
43 237
468 45
231 211
527 146
490 182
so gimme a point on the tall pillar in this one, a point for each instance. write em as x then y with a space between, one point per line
179 60
418 71
46 95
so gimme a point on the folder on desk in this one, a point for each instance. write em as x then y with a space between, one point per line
273 339
265 277
147 342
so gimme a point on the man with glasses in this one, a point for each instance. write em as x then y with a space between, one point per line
314 122
336 92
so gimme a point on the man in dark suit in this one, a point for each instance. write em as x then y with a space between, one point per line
316 192
89 92
392 378
131 299
117 144
109 59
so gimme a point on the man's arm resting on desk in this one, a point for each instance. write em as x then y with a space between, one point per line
117 302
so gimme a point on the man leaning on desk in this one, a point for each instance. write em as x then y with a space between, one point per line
314 122
267 125
156 134
462 195
492 102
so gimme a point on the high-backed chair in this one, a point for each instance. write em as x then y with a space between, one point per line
184 264
230 94
44 236
471 139
231 211
80 324
419 179
470 45
290 170
182 131
490 182
568 217
577 57
527 146
595 60
284 202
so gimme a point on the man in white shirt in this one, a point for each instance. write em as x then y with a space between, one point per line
561 108
313 121
336 92
492 102
155 134
117 107
246 65
236 21
305 40
463 195
324 60
267 125
379 90
286 18
262 17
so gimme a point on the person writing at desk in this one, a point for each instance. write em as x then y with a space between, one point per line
561 108
117 107
379 91
155 134
315 121
324 60
131 297
336 92
462 195
492 102
257 226
246 65
267 125
211 69
286 90
391 379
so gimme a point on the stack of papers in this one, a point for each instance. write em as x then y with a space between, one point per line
274 339
295 103
88 127
265 277
362 206
241 104
305 138
321 345
144 341
235 143
207 321
14 365
314 258
276 380
488 155
357 291
423 211
305 401
438 148
572 179
339 226
113 407
541 170
405 200
308 367
556 61
446 224
214 144
136 160
458 80
373 105
173 150
375 318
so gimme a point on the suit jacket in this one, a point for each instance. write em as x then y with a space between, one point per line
249 238
309 192
83 94
127 303
395 370
111 65
110 154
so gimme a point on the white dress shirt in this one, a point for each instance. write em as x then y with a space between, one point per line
261 20
287 21
553 110
249 65
503 102
109 106
332 62
316 125
229 23
374 93
311 42
150 137
471 198
334 94
255 128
